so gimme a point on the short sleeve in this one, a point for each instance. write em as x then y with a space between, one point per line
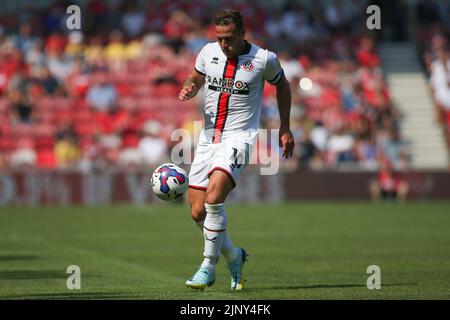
273 71
200 61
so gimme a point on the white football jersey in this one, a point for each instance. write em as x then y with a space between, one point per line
233 89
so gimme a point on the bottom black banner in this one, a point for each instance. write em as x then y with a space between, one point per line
226 309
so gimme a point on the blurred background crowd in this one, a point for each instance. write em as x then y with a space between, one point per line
432 38
106 96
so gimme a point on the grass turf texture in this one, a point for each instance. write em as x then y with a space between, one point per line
297 251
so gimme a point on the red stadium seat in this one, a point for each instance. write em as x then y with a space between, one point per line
81 115
21 131
44 129
86 129
46 159
4 105
6 144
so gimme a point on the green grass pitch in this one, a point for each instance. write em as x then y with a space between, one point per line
297 251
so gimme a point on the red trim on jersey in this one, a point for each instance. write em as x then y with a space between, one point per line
224 100
224 171
197 187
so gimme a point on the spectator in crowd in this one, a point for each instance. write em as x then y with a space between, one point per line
307 149
102 95
433 36
24 156
25 41
389 185
319 136
196 39
367 153
340 147
90 154
292 67
22 107
129 157
152 147
48 83
440 80
115 52
67 151
133 20
366 54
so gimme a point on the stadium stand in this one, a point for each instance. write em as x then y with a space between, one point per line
103 96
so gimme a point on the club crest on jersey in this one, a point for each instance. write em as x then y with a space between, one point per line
248 66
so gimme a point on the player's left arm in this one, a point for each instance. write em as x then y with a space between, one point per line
284 107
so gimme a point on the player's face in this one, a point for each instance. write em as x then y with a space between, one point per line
229 39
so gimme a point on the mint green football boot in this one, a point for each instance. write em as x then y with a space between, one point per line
236 270
203 278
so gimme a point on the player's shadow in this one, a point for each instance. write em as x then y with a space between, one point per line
32 274
38 274
75 295
17 257
326 286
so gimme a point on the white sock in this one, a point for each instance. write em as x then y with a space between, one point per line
214 228
229 251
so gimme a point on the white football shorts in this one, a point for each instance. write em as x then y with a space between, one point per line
230 156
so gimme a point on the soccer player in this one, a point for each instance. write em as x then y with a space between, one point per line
233 72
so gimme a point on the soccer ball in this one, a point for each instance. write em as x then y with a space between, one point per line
169 182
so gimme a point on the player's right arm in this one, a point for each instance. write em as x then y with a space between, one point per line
191 86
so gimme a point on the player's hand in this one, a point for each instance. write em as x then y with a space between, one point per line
188 92
286 142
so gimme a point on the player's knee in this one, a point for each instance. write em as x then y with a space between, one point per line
198 212
214 196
